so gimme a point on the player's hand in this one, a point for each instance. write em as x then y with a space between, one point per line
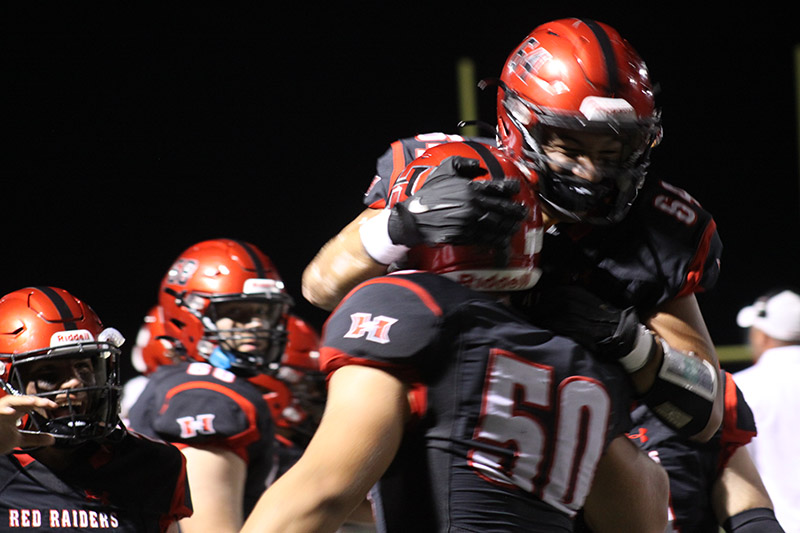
573 311
451 208
12 408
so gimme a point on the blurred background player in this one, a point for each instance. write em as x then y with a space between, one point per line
449 397
295 393
224 319
96 474
773 324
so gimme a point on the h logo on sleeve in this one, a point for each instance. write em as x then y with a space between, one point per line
376 330
191 426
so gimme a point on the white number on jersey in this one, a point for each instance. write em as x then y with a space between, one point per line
582 409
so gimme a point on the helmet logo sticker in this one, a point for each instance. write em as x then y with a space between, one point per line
376 330
182 271
528 59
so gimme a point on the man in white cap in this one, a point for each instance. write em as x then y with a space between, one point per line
770 388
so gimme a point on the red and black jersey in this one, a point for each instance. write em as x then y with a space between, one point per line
694 467
196 404
126 483
666 247
508 419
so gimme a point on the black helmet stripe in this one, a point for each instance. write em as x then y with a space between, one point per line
495 170
61 306
608 53
260 269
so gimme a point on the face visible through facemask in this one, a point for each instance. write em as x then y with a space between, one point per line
240 325
62 380
585 154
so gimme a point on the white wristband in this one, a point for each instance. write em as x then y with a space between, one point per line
375 238
642 351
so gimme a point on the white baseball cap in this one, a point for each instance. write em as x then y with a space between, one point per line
778 316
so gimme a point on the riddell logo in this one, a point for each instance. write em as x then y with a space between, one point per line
61 338
376 330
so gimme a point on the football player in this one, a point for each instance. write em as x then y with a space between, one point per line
95 473
465 414
576 111
710 483
224 320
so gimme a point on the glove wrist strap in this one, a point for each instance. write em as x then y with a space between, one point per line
643 351
376 241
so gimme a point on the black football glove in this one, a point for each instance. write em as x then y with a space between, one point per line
451 208
572 311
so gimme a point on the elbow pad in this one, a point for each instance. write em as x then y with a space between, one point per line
683 393
759 520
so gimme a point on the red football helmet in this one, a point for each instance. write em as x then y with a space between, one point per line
481 267
152 348
580 76
49 339
226 274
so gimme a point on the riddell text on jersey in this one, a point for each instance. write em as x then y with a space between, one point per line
61 518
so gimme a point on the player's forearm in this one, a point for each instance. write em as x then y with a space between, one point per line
738 488
341 264
282 509
680 323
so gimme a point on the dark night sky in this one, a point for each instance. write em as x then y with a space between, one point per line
133 134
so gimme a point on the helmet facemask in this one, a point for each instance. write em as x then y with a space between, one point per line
567 196
243 332
88 410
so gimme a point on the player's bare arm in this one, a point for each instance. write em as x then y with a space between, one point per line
217 483
680 323
341 264
738 488
356 441
630 491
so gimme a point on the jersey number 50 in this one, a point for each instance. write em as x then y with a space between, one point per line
514 440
